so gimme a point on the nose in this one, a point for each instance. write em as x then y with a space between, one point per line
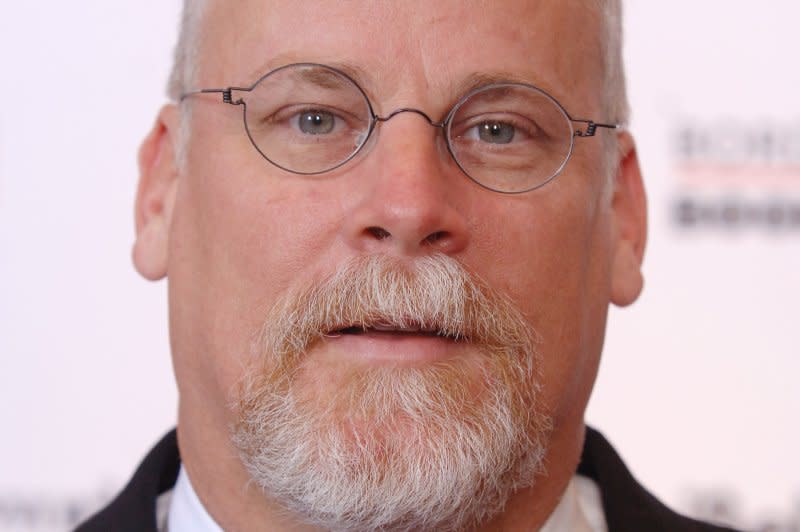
406 203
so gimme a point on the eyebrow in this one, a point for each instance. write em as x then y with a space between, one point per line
477 80
322 78
353 71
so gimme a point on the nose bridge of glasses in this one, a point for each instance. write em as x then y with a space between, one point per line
440 141
420 112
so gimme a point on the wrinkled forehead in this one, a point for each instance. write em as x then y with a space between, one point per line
397 49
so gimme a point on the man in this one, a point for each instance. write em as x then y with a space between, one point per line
392 232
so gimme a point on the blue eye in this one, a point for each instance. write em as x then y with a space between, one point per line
316 122
496 132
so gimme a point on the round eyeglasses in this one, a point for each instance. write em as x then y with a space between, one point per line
308 119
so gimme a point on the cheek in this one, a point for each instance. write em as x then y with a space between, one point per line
553 260
240 237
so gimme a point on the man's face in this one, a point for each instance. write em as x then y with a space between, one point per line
244 235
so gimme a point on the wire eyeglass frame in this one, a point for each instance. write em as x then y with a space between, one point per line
585 127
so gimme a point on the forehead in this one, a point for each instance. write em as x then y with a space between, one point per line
411 48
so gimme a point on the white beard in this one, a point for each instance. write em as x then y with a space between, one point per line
440 447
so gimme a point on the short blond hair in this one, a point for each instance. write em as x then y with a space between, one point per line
185 61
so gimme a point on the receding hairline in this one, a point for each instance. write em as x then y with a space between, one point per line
184 74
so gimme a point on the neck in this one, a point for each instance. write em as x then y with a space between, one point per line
221 481
529 508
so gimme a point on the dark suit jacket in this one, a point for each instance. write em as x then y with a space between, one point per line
628 506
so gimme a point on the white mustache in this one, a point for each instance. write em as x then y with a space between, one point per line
432 294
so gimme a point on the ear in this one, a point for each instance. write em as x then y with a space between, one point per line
629 207
155 197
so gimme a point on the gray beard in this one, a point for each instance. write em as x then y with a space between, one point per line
440 447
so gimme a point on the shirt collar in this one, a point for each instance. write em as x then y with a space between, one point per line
186 512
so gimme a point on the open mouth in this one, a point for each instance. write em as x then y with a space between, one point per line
394 330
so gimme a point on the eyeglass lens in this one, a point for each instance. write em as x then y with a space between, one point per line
309 119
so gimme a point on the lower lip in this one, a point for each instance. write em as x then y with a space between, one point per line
376 347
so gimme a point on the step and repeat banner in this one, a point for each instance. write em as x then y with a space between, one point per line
698 388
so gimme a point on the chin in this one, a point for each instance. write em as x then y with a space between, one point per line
441 446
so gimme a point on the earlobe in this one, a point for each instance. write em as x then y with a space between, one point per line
629 207
155 197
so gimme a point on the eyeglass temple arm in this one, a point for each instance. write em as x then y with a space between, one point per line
591 127
227 96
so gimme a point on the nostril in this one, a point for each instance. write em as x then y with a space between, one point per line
433 238
379 233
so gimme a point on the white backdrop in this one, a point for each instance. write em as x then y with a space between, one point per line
698 388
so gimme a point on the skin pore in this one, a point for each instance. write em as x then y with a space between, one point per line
234 234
